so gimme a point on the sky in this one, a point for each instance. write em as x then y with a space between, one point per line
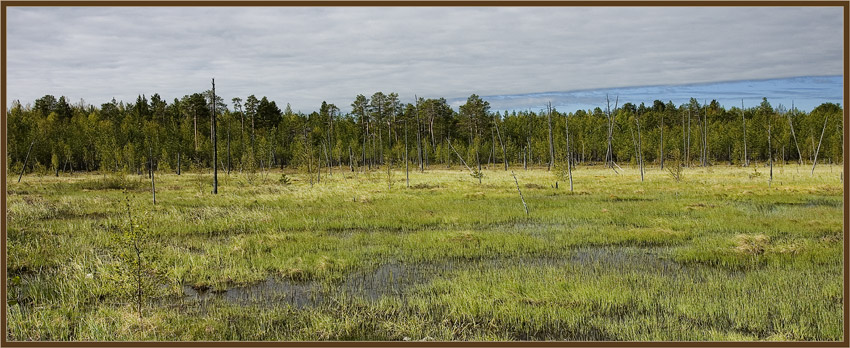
803 93
515 57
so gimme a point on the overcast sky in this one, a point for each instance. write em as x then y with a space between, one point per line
303 56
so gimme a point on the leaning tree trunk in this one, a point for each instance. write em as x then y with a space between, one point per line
26 159
504 151
794 135
520 193
815 161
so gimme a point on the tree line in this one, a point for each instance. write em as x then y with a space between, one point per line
254 134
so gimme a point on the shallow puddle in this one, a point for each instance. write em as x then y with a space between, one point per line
397 279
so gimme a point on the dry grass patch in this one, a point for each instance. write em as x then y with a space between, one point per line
751 244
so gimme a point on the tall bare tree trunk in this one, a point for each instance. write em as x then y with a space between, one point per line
229 161
609 155
493 142
569 157
524 159
195 118
744 122
419 137
150 171
688 149
551 143
215 142
380 144
406 161
504 151
769 152
815 161
704 134
640 150
328 158
330 138
684 144
365 135
794 135
661 146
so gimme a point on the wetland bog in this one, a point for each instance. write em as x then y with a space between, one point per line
716 256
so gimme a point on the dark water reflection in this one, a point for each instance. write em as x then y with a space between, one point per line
398 279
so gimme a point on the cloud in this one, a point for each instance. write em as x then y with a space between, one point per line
805 93
303 56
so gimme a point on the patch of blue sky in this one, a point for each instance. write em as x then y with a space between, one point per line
806 92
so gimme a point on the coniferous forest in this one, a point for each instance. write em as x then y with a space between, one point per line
254 133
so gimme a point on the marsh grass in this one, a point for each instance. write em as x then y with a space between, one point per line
715 255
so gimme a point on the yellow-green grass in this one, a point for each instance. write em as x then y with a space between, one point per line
719 255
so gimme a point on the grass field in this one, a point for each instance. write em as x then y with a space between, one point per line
716 256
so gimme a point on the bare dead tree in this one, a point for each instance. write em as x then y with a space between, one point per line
327 157
477 160
688 149
769 152
684 144
26 160
569 157
237 105
640 150
841 132
330 139
406 161
520 193
815 161
318 163
609 155
419 136
524 162
794 135
504 151
551 143
431 117
215 142
744 122
460 157
150 171
527 153
493 150
661 145
195 118
705 134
